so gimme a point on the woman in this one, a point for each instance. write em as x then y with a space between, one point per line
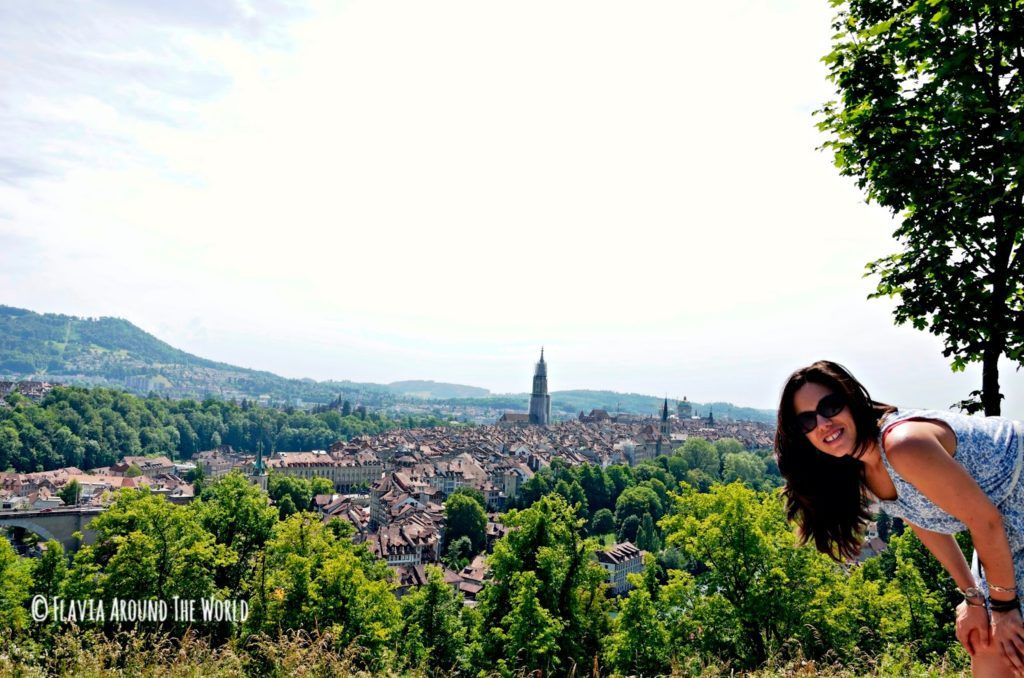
941 472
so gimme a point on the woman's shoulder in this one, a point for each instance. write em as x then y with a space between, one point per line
917 434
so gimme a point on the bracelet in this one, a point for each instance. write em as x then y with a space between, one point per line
1004 605
1000 589
968 602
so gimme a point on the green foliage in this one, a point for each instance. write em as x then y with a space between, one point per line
464 517
475 494
15 586
735 595
647 537
639 642
147 548
930 123
237 514
96 427
629 529
602 522
545 608
309 578
71 493
748 561
50 570
637 501
700 455
320 485
746 467
433 632
460 553
290 493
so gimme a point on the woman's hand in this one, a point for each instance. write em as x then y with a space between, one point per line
1008 635
972 627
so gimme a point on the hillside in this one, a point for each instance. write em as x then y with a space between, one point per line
436 390
114 352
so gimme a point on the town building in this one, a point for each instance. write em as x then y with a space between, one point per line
618 561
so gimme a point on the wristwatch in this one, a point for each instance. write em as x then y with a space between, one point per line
972 592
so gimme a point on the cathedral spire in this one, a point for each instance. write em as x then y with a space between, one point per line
540 401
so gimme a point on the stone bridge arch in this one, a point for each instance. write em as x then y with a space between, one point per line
57 524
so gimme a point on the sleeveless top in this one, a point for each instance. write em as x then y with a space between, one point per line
989 448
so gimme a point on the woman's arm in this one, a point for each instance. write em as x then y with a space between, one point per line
917 454
971 616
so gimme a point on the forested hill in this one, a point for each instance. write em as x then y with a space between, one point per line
90 427
114 352
49 342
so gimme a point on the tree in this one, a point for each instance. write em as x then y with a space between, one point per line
545 607
647 537
764 592
320 485
237 514
433 634
460 553
636 501
746 467
147 547
629 529
71 493
310 578
701 455
15 585
640 642
288 491
465 518
50 570
930 122
474 493
602 523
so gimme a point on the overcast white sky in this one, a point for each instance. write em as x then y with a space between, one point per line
388 190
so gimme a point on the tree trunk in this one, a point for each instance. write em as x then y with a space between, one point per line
990 376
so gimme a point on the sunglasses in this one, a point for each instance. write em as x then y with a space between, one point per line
828 407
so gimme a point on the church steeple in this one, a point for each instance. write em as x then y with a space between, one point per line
666 428
540 401
259 469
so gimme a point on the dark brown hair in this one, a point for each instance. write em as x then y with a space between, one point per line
825 495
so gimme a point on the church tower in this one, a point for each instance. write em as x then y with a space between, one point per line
666 428
540 401
259 469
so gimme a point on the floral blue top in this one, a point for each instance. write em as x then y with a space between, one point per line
991 449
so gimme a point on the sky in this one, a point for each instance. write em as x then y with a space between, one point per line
391 190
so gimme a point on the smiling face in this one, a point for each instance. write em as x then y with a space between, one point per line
836 436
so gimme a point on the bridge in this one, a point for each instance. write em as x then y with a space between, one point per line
58 524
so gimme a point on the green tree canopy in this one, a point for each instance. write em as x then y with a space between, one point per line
930 122
238 515
545 609
701 455
464 517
